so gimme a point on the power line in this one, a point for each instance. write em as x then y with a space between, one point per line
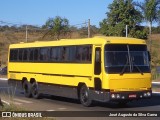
17 23
86 23
10 23
27 27
79 24
24 24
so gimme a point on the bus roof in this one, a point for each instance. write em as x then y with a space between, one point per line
99 40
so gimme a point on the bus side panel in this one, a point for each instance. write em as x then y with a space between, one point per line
53 78
57 73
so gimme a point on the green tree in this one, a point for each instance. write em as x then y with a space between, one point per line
57 26
104 27
121 13
150 10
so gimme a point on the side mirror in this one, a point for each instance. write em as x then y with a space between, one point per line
149 56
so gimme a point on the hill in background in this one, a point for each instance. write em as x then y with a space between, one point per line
11 35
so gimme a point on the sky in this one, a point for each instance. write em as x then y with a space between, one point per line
36 12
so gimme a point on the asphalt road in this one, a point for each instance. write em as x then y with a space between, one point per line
53 103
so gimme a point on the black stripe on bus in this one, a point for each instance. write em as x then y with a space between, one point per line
44 83
66 62
51 74
58 85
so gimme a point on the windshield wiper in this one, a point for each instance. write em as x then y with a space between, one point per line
122 72
137 68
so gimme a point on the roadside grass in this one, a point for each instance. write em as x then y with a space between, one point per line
8 95
155 61
155 76
155 89
11 107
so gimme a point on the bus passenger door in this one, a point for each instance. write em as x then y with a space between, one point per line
97 69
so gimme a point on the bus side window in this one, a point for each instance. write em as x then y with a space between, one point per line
56 54
53 54
72 53
25 55
36 51
64 54
97 67
97 56
59 54
78 53
31 55
90 53
44 56
20 54
13 54
85 53
11 57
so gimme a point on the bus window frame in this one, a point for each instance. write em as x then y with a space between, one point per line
31 49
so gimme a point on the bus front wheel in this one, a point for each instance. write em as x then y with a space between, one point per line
85 96
27 90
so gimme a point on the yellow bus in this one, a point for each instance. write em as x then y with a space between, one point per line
91 69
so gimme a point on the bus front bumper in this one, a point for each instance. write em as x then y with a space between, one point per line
120 96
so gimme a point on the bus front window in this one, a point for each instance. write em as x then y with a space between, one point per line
126 59
115 58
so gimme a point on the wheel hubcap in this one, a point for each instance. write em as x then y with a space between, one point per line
35 90
84 95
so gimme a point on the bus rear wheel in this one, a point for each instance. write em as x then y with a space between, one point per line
84 96
27 90
34 91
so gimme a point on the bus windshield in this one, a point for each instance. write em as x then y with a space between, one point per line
126 59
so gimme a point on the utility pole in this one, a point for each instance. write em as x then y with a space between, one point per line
26 33
126 30
89 33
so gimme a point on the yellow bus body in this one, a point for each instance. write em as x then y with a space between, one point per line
74 75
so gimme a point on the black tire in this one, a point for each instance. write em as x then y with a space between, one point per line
34 91
27 89
84 96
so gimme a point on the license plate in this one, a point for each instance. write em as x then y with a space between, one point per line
132 96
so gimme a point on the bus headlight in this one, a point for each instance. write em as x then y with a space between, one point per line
118 96
113 96
145 94
148 94
123 97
